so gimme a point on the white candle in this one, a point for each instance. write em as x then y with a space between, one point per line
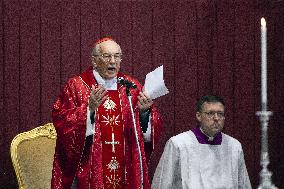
263 65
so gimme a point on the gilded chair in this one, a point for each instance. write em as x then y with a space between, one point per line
32 156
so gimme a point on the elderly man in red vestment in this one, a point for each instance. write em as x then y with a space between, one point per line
96 146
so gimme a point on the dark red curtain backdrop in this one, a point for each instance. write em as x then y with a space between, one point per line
206 46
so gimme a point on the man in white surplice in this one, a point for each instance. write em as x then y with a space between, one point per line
204 157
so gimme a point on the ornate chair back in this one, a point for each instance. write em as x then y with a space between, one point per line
32 156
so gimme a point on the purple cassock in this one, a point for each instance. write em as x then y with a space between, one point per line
203 139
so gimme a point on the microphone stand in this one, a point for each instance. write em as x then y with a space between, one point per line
136 134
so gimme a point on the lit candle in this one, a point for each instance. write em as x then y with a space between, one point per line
263 66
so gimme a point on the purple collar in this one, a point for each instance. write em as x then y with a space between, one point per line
203 139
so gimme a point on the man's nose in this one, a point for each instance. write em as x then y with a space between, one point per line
216 116
112 59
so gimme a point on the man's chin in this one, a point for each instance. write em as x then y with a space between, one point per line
111 75
216 130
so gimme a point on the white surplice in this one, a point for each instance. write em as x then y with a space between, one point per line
187 164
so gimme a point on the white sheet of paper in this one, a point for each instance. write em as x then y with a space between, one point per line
154 83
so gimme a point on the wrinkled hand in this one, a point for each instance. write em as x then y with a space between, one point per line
145 102
97 96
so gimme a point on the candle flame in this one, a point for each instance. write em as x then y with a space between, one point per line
263 22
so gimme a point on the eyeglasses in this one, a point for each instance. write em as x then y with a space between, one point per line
210 115
108 57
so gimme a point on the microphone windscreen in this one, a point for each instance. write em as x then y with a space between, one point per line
120 80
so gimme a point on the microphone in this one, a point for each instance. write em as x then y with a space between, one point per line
126 83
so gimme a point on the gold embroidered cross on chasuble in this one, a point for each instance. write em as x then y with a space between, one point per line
113 141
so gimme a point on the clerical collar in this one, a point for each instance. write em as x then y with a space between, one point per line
109 84
208 137
203 139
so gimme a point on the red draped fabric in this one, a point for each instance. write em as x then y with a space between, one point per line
206 46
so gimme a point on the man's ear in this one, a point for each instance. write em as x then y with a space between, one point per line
198 116
94 62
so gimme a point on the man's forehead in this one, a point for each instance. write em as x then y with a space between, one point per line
109 47
209 105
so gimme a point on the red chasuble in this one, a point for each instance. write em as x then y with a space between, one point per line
109 158
113 150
